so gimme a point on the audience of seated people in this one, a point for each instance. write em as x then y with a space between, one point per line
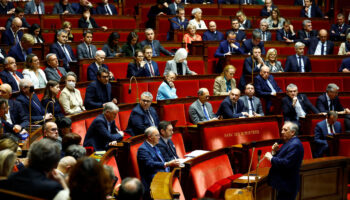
167 88
63 7
132 44
161 8
50 101
19 13
35 7
212 34
157 48
311 10
307 32
201 110
177 23
225 82
10 74
191 36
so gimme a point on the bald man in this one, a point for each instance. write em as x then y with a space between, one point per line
13 34
65 165
10 75
321 45
232 106
212 34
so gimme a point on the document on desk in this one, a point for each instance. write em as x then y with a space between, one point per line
196 153
250 177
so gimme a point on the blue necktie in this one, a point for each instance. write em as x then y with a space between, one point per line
153 50
159 155
251 104
205 112
69 59
322 49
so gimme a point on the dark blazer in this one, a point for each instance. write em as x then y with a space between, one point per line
17 54
100 9
38 111
78 9
153 13
321 132
248 45
92 71
322 103
261 87
9 22
240 35
224 48
17 114
6 77
149 164
256 103
8 38
8 7
280 35
345 64
82 23
128 51
83 51
98 135
168 150
289 112
315 12
155 68
247 24
139 121
200 1
302 35
172 10
226 109
97 94
247 70
210 36
289 157
313 42
30 7
51 73
58 8
56 107
157 47
137 71
337 31
55 48
175 24
265 13
110 52
292 64
267 33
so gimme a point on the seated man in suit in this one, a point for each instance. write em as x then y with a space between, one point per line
298 62
37 110
306 33
320 46
212 34
232 106
13 34
10 75
330 101
19 12
151 67
151 160
83 5
95 66
173 7
157 48
33 180
103 132
20 50
296 106
177 23
327 127
105 8
63 8
86 49
248 45
265 34
63 50
142 116
267 9
311 10
287 33
201 110
35 7
53 71
51 132
338 30
166 145
7 8
252 104
240 35
99 92
345 65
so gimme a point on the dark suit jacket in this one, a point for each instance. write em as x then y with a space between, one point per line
226 109
345 64
100 9
280 35
240 35
248 45
8 38
200 1
247 70
153 13
337 31
17 54
289 158
6 77
265 13
172 10
17 114
292 64
82 23
139 121
289 112
83 51
302 35
134 70
178 25
261 87
313 42
38 111
92 71
127 50
268 35
321 132
97 94
98 135
210 36
30 7
224 48
56 107
256 103
168 150
322 103
155 68
315 12
157 47
24 22
78 9
58 9
51 73
55 48
8 7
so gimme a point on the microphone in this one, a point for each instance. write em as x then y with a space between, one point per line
137 88
252 144
257 166
31 89
259 155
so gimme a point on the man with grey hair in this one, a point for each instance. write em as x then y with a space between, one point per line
51 132
93 68
103 132
201 110
53 71
298 62
33 180
321 45
167 89
248 45
150 158
23 48
157 48
142 116
10 75
76 151
307 32
130 188
62 49
296 106
330 100
212 34
265 34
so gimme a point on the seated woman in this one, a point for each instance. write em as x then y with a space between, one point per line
167 89
131 45
225 82
138 67
33 72
272 62
70 97
191 35
35 31
112 48
197 20
51 91
86 21
275 21
10 142
344 48
244 23
179 64
7 163
67 26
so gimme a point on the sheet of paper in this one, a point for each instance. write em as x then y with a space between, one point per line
196 153
246 177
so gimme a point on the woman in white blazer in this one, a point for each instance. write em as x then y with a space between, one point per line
33 72
179 62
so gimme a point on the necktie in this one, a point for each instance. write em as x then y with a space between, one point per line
38 9
322 49
89 48
153 50
108 11
171 147
234 108
59 72
16 38
36 105
300 65
24 54
340 27
159 155
307 35
66 53
205 112
150 118
264 36
331 105
270 86
16 77
151 68
331 128
251 105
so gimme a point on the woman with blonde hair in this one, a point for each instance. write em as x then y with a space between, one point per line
275 21
225 82
33 72
244 23
191 35
67 26
272 62
7 162
344 48
179 64
197 20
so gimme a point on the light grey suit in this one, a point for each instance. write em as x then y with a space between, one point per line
196 112
83 51
51 73
256 104
171 66
30 7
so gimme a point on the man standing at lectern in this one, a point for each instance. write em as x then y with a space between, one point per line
285 163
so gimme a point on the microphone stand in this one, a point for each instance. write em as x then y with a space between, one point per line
137 88
250 166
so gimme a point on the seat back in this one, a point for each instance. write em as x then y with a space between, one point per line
174 112
133 165
307 150
344 147
110 160
179 144
79 127
124 118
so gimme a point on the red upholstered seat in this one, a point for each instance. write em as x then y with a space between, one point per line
117 121
118 69
313 100
174 112
346 83
324 65
186 88
211 64
33 19
229 11
88 122
161 66
322 82
49 37
238 64
83 76
133 166
102 36
124 118
344 147
211 50
207 11
281 82
345 101
196 66
153 88
265 162
207 83
307 150
82 92
113 163
179 144
177 188
51 22
252 10
304 84
215 105
187 115
40 96
119 23
79 127
131 98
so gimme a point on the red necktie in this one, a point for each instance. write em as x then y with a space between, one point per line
151 68
59 73
16 77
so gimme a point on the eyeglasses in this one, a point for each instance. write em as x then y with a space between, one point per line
105 77
146 101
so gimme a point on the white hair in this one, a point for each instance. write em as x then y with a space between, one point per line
195 10
180 54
